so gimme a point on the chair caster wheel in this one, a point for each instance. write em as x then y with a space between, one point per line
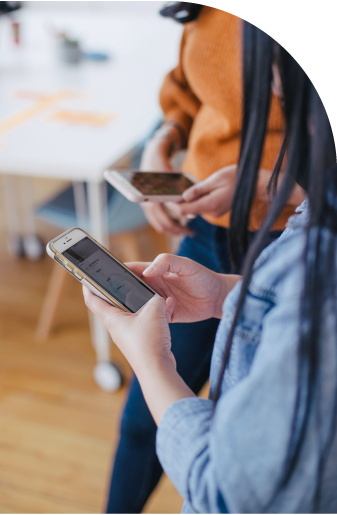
107 376
33 247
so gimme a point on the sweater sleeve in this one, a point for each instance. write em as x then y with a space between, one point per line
177 100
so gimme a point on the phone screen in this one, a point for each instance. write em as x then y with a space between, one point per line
156 183
109 274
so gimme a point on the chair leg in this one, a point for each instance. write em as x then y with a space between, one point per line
51 302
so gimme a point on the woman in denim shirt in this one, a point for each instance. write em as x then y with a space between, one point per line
266 439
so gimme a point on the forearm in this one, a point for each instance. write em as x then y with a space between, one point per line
177 100
161 386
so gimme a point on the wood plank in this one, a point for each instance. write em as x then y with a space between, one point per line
61 415
58 430
165 499
70 481
23 500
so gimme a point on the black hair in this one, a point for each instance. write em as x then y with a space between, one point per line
311 162
9 7
182 12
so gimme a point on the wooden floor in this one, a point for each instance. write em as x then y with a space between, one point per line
58 430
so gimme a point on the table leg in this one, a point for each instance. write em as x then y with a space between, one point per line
106 374
28 205
101 338
80 205
11 204
14 226
33 246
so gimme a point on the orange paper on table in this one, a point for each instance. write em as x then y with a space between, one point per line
83 118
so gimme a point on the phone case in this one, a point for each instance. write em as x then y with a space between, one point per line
79 275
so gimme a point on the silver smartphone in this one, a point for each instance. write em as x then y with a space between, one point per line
101 272
139 186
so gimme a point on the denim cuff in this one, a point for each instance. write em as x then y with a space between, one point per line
183 433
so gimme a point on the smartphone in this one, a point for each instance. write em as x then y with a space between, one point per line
104 275
139 186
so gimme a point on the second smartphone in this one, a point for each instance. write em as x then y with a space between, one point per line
139 186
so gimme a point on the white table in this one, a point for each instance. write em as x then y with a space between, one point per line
34 143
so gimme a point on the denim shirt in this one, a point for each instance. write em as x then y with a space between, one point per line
231 459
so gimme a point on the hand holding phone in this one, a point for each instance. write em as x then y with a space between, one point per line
212 196
192 293
144 337
154 190
197 292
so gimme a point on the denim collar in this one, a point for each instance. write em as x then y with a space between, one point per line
301 219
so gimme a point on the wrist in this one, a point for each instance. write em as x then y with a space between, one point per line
227 283
162 386
154 364
173 134
222 294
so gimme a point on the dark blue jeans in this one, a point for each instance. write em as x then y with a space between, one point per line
137 469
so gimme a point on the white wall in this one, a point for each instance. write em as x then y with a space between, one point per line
120 7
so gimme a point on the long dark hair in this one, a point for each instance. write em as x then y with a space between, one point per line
311 162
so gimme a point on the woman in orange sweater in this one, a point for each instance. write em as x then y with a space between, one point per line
201 101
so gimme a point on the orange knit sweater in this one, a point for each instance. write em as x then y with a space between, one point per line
204 95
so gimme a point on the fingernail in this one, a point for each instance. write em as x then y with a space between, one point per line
149 270
190 217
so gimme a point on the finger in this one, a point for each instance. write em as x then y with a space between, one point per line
174 208
151 211
169 308
138 267
162 222
160 218
171 208
220 178
204 204
173 212
104 311
198 190
169 225
154 307
168 263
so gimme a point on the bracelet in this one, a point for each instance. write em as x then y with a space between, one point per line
164 132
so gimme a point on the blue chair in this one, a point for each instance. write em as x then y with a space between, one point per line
122 215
